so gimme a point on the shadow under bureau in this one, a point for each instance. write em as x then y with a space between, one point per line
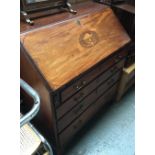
75 65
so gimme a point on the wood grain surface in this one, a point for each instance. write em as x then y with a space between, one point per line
30 75
59 53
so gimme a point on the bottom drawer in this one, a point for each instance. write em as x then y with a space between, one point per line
67 134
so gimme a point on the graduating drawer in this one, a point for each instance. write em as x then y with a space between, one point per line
69 132
88 77
78 97
83 105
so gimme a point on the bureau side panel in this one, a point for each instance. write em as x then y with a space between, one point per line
45 120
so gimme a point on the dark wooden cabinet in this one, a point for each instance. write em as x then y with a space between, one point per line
126 14
75 65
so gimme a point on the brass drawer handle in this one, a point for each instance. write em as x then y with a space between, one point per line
76 126
78 109
78 87
79 98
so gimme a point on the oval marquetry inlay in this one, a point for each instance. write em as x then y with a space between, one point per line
88 39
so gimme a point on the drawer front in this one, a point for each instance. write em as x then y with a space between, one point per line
83 105
84 80
78 97
68 133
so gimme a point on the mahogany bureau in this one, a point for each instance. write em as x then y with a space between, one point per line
75 65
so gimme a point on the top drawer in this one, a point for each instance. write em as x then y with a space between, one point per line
85 79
